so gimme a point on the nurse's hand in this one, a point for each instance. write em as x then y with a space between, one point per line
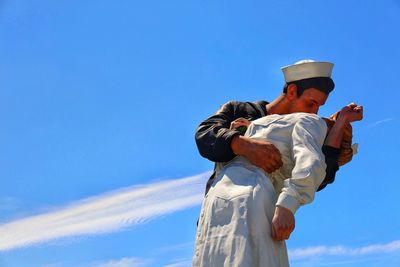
283 224
351 113
239 122
261 153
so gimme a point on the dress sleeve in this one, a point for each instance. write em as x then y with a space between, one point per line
213 136
308 136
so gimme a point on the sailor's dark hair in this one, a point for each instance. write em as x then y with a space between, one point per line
324 84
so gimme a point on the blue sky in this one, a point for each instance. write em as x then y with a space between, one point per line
99 101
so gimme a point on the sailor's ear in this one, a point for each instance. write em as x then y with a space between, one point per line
291 92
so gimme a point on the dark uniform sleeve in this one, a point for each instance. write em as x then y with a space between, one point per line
332 166
213 139
213 136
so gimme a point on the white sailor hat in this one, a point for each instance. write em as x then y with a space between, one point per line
305 69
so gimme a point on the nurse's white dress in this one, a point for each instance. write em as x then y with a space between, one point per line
235 222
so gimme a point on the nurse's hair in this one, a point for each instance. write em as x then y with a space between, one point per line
346 149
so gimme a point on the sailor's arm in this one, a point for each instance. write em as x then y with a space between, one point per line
260 153
213 136
219 142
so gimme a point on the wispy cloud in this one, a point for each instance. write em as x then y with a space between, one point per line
124 262
180 263
344 251
55 264
182 246
105 213
377 123
314 256
8 203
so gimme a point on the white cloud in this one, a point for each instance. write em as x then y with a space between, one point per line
180 263
344 251
377 123
8 203
56 264
105 213
124 262
181 246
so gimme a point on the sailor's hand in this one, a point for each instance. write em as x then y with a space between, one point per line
283 224
261 153
351 113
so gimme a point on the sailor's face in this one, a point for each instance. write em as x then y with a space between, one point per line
309 101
